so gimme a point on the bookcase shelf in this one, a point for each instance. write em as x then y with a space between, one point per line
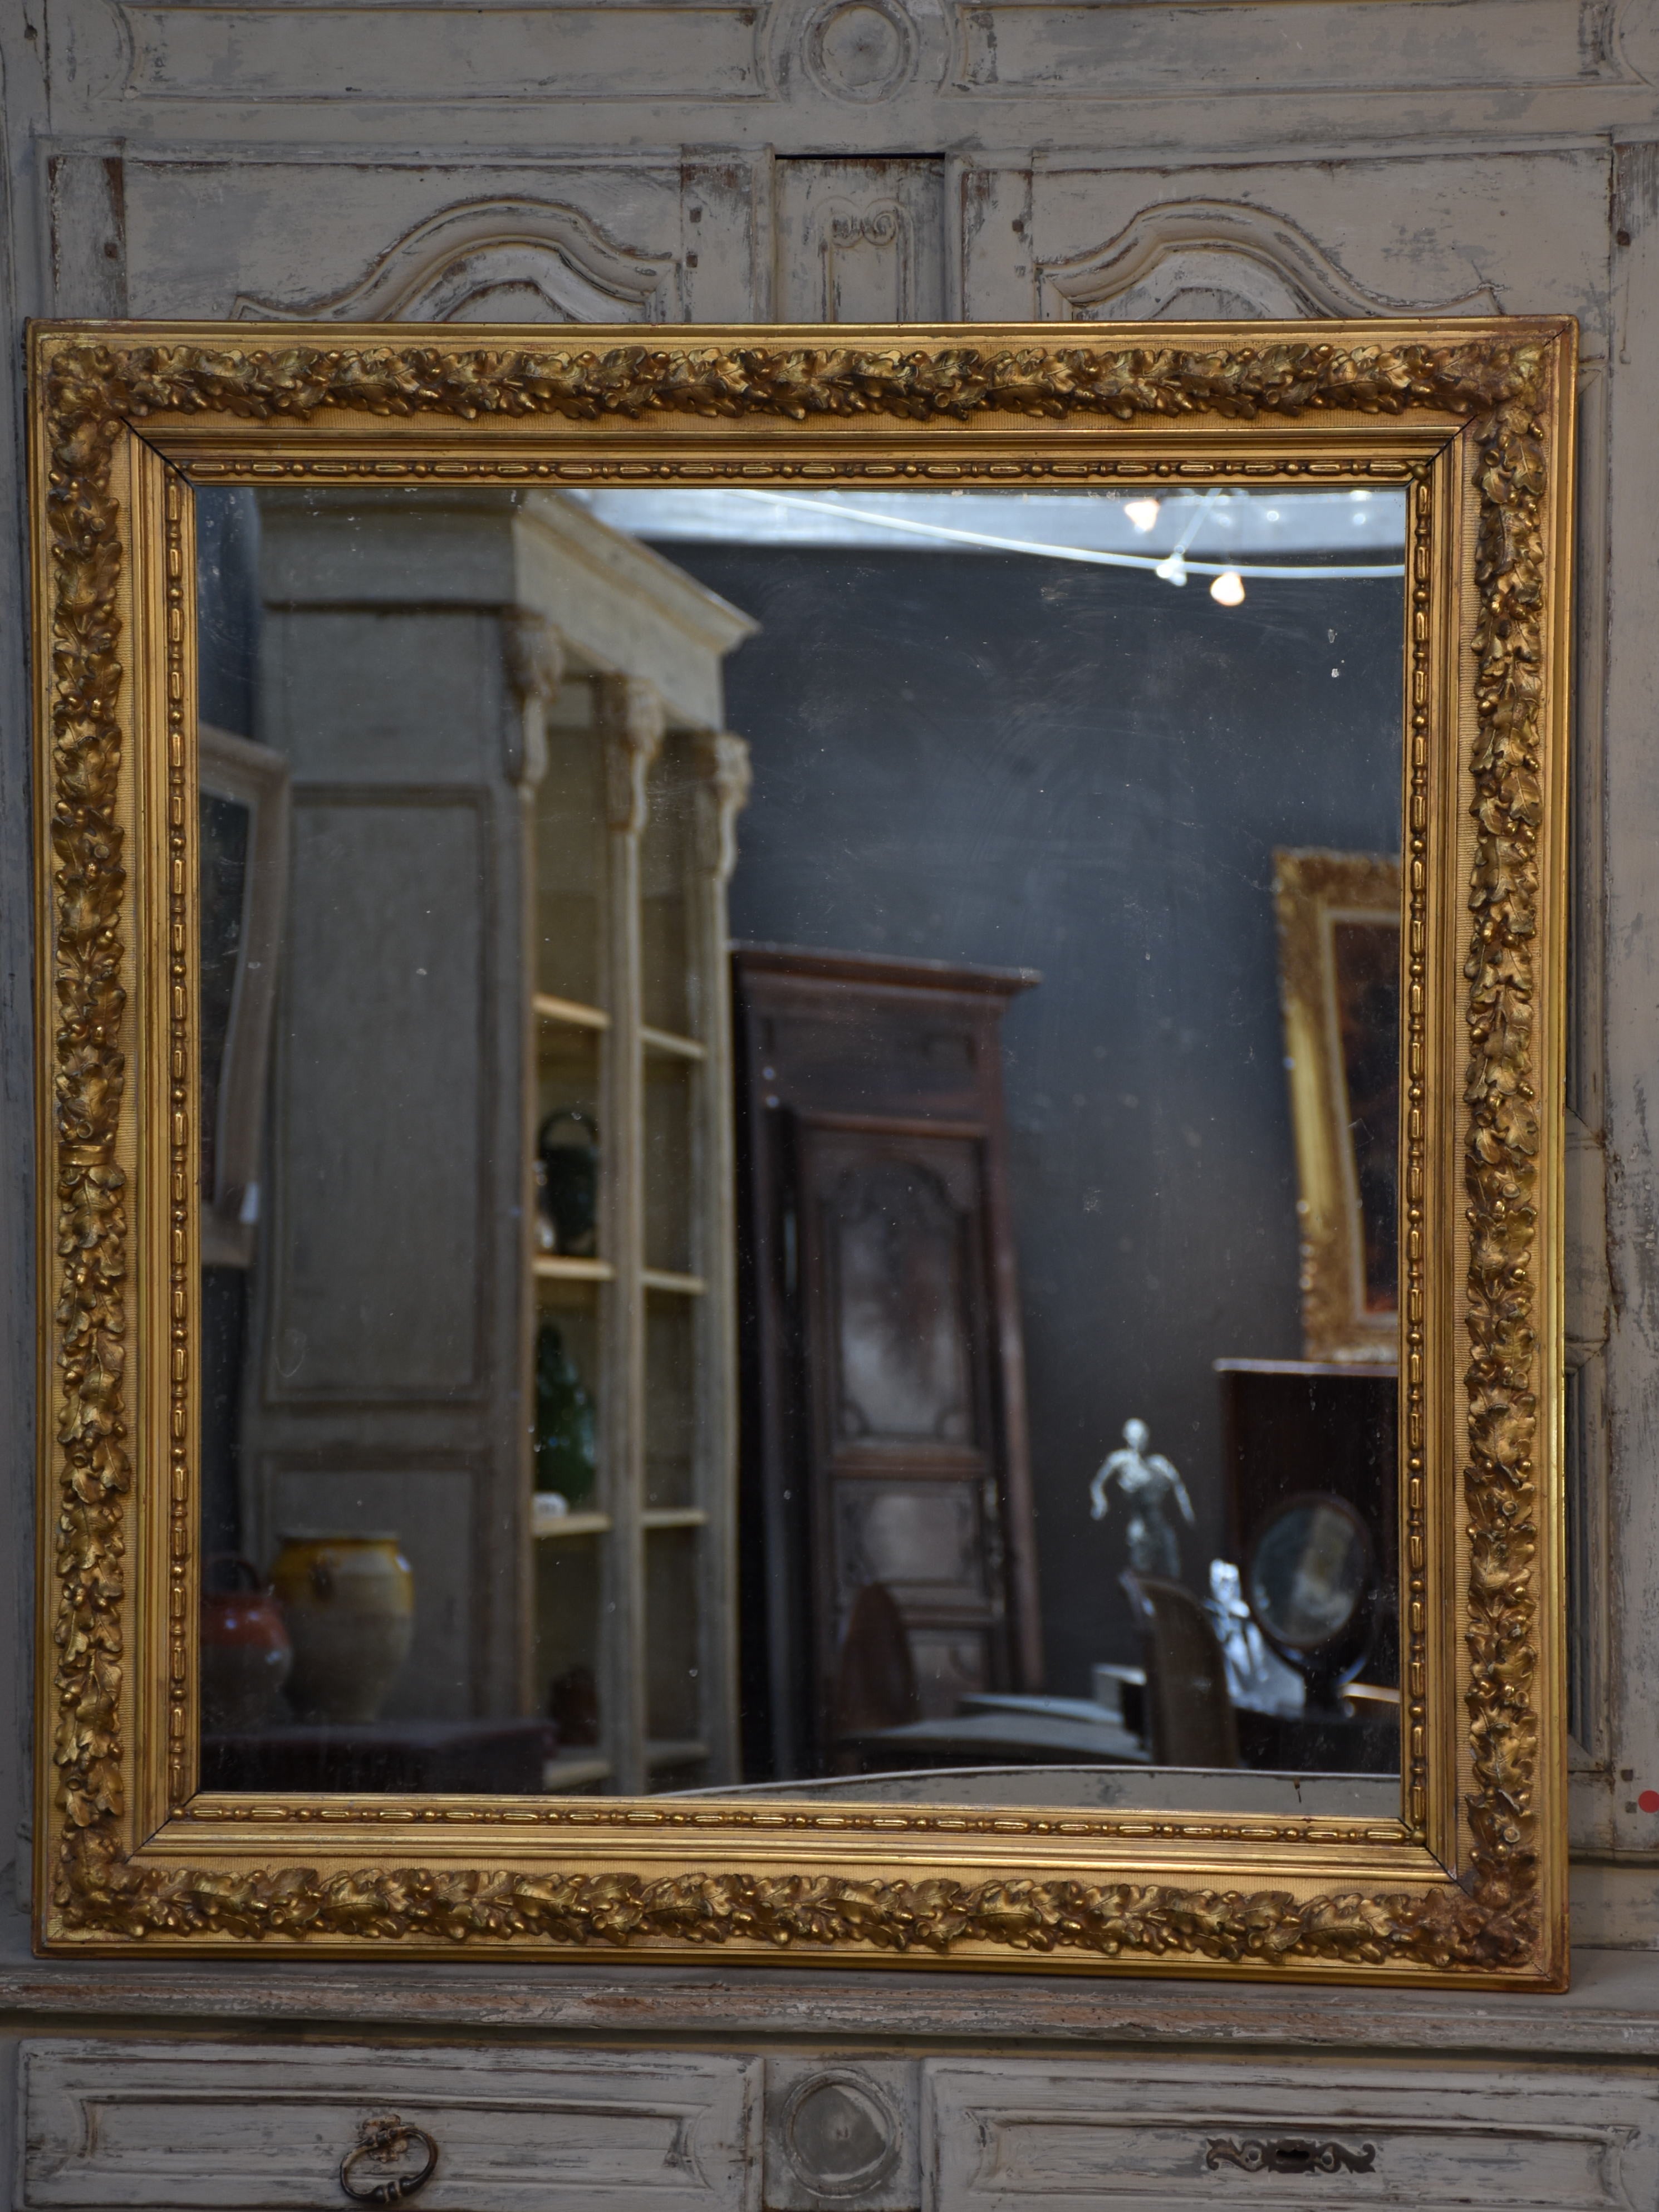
633 1630
569 1013
553 1267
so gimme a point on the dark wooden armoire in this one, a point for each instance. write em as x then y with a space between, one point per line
883 1400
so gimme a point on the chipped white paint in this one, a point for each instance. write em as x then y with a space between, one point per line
1143 2137
492 260
1193 259
664 159
180 2127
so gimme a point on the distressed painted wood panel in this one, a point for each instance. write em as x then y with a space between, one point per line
536 53
1135 2138
215 2128
530 163
1486 236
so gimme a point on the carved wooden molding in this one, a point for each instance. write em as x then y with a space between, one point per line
636 722
90 387
858 53
535 656
1258 243
436 270
722 794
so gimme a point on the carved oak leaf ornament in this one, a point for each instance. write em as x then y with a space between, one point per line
93 390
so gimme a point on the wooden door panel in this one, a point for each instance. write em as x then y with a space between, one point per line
897 1319
925 1541
950 1664
884 1416
897 1274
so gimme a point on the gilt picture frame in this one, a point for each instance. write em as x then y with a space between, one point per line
1474 420
1339 985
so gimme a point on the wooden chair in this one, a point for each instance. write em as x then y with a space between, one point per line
875 1685
1190 1721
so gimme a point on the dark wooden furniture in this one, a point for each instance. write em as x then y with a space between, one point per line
1190 1717
884 1408
1364 1740
875 1670
1051 1732
1009 1730
493 1757
1292 1427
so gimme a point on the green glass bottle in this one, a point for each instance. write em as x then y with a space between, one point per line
565 1457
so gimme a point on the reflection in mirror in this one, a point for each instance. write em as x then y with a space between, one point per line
1310 1578
856 1257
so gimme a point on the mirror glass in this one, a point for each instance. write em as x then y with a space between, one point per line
799 1113
1308 1573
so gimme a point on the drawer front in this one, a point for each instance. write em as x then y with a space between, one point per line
1150 2138
202 2126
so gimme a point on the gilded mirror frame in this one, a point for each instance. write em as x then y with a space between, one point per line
1475 419
1312 890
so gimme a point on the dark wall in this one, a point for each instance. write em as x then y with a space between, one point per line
1082 770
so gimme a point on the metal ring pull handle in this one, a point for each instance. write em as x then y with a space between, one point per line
381 2141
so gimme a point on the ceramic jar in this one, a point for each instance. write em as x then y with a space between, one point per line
246 1654
350 1604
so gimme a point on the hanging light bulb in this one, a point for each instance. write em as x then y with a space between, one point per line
1173 571
1228 589
1143 512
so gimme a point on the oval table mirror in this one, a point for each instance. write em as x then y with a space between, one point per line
1310 1582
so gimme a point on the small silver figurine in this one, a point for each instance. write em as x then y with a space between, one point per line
1147 1483
1255 1676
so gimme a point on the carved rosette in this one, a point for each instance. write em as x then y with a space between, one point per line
95 388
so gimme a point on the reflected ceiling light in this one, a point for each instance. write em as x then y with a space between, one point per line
1143 512
1173 568
1228 589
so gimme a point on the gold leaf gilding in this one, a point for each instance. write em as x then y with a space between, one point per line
93 389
